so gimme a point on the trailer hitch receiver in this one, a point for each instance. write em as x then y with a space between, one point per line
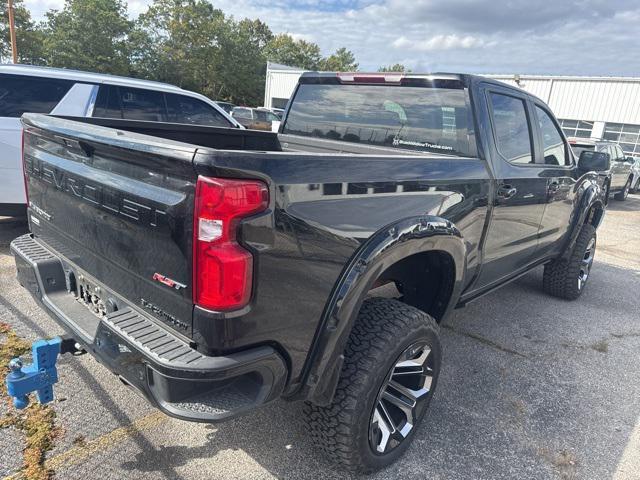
39 376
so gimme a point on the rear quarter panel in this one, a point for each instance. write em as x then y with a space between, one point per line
323 209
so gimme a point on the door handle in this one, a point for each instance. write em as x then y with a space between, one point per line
553 187
506 191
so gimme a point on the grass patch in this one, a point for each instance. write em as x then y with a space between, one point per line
37 422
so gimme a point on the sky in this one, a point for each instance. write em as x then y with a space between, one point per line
556 37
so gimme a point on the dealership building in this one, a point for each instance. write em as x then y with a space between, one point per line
588 107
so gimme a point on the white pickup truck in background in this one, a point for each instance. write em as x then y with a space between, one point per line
72 93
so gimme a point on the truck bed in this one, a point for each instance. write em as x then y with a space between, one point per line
236 139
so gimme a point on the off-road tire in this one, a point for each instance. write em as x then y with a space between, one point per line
382 332
624 193
560 277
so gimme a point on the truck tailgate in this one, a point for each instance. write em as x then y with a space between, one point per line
118 207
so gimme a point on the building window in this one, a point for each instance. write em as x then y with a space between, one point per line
279 102
576 128
627 136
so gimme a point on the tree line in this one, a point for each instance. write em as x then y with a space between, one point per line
188 43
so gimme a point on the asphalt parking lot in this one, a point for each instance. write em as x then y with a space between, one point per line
531 387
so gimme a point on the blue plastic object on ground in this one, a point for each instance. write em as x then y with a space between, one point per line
37 377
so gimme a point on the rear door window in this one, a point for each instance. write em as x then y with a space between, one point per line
22 93
140 104
182 109
512 129
107 103
424 118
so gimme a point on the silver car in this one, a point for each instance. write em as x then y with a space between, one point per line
635 175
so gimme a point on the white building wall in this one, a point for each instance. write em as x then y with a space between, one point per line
599 99
280 84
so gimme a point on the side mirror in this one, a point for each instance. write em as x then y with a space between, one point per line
630 160
594 161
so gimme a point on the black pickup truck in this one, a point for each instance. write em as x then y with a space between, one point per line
215 270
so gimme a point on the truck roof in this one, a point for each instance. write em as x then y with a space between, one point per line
80 76
394 78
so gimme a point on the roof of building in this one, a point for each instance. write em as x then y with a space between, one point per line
280 67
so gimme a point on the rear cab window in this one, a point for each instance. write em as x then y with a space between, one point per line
28 94
423 118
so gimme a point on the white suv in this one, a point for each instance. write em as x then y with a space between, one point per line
67 92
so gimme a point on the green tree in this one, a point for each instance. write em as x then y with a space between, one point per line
28 36
342 60
88 35
195 46
398 67
296 53
178 42
242 67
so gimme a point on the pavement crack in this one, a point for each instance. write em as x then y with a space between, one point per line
485 341
626 335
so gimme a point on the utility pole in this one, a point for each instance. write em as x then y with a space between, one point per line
12 30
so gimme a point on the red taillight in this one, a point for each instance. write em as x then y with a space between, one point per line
222 269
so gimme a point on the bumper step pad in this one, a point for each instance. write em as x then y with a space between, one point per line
152 338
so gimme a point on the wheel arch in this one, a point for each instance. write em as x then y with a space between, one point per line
591 209
395 246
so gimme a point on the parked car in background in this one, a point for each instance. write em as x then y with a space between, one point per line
226 106
26 88
635 174
255 118
279 112
619 174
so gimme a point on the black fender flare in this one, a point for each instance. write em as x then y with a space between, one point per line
383 249
592 196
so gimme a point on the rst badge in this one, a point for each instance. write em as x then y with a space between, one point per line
168 282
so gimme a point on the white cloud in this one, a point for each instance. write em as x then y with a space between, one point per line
440 42
303 36
475 36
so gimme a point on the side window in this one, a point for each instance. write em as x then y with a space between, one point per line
555 151
140 104
183 109
107 104
512 130
612 152
242 113
23 93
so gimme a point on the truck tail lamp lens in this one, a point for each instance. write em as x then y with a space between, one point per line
222 268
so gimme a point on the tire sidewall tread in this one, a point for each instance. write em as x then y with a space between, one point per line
383 330
560 276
